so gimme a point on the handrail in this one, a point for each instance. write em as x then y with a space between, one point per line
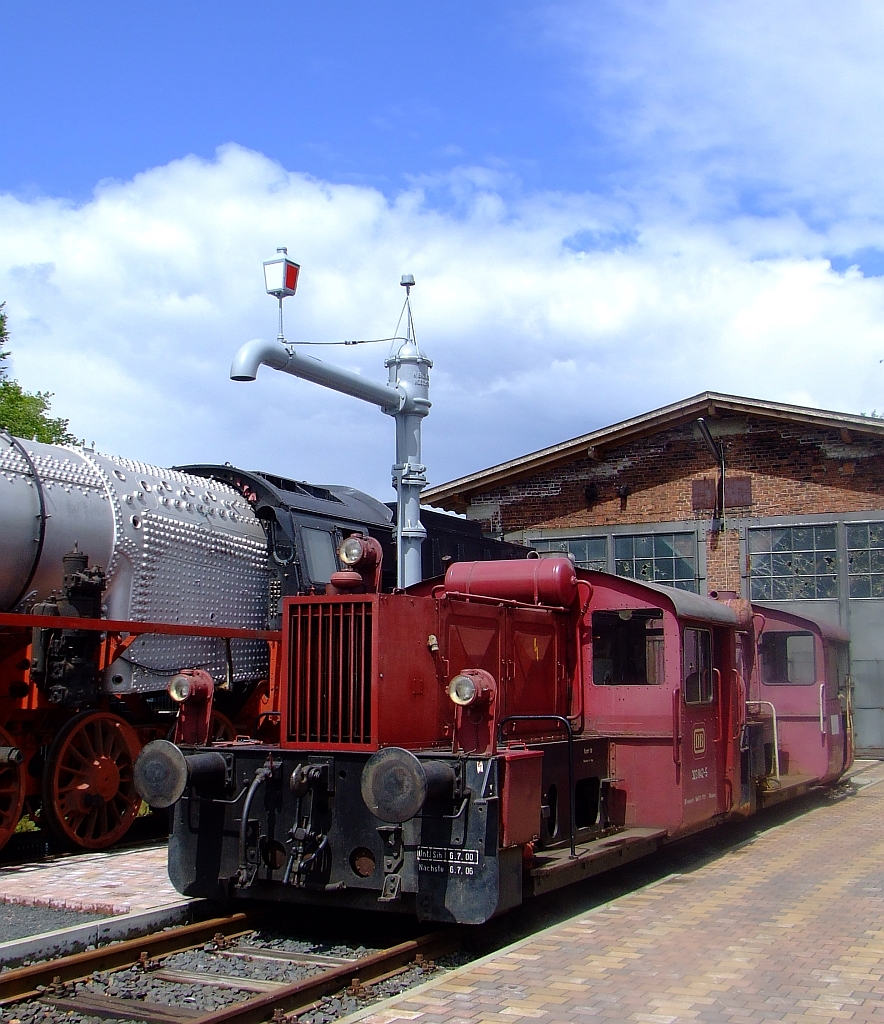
581 677
134 628
563 721
716 676
741 697
822 712
776 737
508 602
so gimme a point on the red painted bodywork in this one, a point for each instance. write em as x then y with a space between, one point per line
361 672
674 765
548 581
32 721
814 730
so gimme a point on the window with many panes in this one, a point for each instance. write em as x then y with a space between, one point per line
668 558
587 552
793 563
865 559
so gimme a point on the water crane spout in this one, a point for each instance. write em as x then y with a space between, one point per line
405 396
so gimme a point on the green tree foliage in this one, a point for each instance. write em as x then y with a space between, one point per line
24 414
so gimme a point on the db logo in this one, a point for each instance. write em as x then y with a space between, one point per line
699 740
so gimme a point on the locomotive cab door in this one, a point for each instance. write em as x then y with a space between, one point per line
704 727
835 697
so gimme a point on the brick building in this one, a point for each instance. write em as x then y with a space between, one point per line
781 503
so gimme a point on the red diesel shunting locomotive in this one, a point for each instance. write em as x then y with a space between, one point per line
457 747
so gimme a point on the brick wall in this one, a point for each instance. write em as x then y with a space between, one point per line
723 560
794 470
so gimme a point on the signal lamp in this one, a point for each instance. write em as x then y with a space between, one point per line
361 557
281 275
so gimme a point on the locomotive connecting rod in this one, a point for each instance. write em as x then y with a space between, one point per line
405 397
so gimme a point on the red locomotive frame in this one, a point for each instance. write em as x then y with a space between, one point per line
75 771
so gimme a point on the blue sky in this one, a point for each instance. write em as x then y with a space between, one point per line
364 93
608 205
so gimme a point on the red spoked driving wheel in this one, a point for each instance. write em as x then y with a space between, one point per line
89 796
221 729
12 791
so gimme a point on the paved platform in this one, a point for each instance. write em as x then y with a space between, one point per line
788 927
112 882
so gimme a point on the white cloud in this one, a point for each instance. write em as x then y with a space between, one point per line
738 102
130 307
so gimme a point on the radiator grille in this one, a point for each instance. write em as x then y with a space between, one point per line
330 659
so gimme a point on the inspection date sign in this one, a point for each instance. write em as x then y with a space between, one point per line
445 860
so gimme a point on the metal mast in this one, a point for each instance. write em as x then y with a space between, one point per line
409 368
405 397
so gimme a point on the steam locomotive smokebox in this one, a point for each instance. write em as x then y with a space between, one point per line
520 796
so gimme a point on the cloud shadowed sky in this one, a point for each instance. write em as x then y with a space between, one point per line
607 206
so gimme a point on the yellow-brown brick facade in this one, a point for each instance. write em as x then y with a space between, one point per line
794 470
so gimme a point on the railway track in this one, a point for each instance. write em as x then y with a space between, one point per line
220 971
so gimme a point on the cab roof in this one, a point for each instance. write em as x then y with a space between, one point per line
684 603
828 630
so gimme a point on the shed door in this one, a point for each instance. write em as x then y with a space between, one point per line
700 727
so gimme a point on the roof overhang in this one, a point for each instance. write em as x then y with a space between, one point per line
455 495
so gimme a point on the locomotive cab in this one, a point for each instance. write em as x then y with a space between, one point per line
800 695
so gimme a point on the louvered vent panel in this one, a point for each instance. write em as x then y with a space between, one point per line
330 659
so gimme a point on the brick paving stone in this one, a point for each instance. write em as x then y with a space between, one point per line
111 882
787 928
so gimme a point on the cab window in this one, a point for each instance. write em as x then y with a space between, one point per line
627 648
788 659
320 548
697 667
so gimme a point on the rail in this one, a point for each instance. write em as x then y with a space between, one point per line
271 999
23 982
776 737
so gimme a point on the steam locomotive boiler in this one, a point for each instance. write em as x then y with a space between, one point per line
116 575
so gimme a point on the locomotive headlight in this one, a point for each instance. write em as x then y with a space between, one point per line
351 550
473 687
463 690
179 688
